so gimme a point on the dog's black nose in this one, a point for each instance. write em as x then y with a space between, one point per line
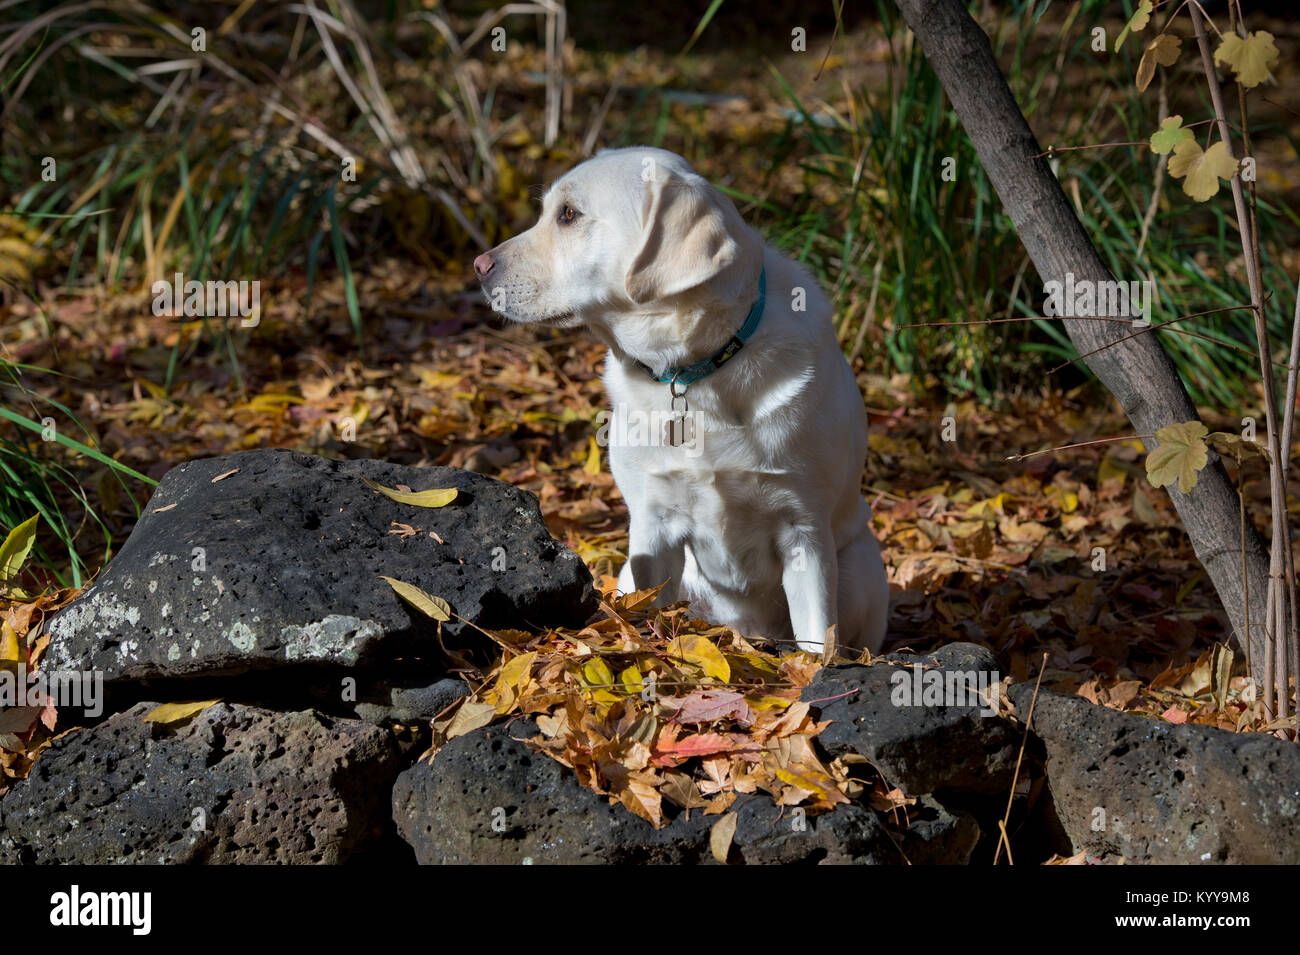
483 265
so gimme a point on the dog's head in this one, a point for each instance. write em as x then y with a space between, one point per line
630 230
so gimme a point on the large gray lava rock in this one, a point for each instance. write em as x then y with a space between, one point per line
920 747
280 563
488 798
235 784
1157 793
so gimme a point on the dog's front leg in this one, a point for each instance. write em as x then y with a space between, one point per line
654 557
810 581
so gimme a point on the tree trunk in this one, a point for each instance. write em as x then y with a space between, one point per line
1139 372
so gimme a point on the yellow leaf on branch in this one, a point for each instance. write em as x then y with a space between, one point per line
1182 453
1250 58
1201 171
1170 134
1136 23
1164 50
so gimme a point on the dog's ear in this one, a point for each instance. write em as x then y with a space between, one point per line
684 240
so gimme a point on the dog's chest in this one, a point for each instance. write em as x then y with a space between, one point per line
721 474
725 516
733 461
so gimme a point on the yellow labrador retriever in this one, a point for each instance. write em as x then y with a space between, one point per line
738 435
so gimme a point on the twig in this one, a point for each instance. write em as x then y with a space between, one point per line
1152 328
598 118
1245 577
870 317
1286 622
1081 444
1288 422
1015 776
1052 150
837 696
1276 477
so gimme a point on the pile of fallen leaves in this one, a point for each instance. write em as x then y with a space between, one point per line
649 705
27 715
1203 692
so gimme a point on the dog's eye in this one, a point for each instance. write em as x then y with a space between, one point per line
568 215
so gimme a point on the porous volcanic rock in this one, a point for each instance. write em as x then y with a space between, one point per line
266 558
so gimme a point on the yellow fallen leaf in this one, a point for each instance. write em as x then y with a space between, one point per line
990 507
512 680
434 497
964 529
158 391
700 651
270 402
468 717
169 713
593 457
639 599
432 378
1022 532
1108 470
430 606
761 704
599 678
16 546
811 780
720 836
11 651
881 443
754 661
1066 500
517 670
596 672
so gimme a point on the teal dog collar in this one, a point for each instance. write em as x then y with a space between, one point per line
688 375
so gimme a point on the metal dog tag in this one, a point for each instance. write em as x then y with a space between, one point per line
681 429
